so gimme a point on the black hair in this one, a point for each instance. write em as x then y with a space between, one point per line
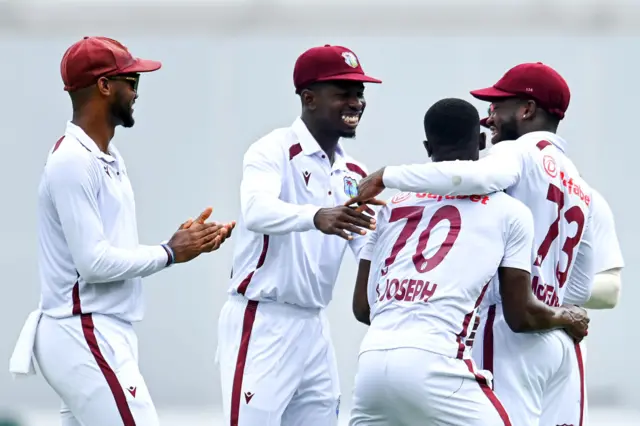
452 123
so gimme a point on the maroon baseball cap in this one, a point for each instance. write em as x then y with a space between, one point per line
536 81
483 122
328 63
93 57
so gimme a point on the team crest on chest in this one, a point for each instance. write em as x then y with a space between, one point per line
350 186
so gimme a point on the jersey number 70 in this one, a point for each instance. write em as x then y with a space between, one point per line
413 215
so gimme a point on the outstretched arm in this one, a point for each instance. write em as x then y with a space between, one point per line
500 169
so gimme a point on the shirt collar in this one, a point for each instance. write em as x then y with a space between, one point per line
306 140
87 142
556 140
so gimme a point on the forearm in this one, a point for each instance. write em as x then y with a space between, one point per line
452 177
360 304
265 214
363 317
105 263
536 316
605 293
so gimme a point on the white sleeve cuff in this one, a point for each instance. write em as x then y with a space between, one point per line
306 217
391 176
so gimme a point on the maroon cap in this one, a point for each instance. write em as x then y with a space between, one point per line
93 57
483 122
328 63
531 80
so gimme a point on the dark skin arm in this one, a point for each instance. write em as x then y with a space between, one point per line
360 300
523 312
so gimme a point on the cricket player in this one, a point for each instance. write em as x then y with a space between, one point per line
527 103
277 362
605 292
91 264
433 259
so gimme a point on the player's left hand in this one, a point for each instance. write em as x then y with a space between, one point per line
368 188
578 326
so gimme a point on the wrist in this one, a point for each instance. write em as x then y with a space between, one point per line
389 176
308 216
562 317
171 258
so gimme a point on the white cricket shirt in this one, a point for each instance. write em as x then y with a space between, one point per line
89 257
535 170
606 244
432 259
279 255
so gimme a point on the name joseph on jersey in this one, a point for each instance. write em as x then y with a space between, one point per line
405 289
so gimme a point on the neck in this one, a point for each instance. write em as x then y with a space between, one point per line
327 141
541 127
453 156
97 128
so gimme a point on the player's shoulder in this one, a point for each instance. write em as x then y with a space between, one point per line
512 211
273 144
68 154
509 205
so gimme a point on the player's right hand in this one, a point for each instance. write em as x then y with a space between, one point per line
224 232
578 325
196 237
337 220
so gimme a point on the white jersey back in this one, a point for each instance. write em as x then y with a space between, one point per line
432 259
560 201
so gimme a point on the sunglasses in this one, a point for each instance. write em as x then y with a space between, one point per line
133 81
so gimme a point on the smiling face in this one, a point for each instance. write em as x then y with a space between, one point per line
337 106
121 97
506 118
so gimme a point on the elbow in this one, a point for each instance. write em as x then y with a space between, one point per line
89 267
605 293
88 273
517 323
253 219
519 320
253 224
361 313
615 298
608 301
615 286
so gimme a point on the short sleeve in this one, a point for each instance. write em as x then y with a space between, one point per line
519 238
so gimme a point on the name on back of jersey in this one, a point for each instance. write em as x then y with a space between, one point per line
404 196
405 289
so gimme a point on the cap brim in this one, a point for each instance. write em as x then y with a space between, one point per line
491 94
483 123
351 77
142 65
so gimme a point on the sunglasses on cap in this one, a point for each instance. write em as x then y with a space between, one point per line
133 80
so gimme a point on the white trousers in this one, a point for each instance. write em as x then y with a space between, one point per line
91 361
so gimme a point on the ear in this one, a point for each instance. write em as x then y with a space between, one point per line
308 98
427 147
482 141
529 110
104 87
